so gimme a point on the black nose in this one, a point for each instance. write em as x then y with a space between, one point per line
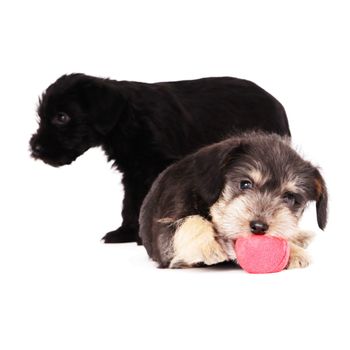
258 227
37 149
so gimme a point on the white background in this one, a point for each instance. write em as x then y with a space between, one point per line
60 287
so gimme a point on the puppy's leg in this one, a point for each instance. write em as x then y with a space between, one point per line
134 193
298 257
194 243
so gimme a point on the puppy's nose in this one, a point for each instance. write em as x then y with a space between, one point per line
37 149
258 227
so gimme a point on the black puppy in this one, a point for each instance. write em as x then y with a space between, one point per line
144 128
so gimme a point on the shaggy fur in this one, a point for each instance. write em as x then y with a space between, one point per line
252 184
143 128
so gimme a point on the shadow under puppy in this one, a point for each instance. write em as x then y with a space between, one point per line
253 184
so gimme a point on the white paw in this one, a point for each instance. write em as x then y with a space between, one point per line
213 253
299 259
195 243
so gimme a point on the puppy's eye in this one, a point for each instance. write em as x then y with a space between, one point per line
245 185
61 118
290 198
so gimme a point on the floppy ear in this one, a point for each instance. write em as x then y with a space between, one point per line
210 168
105 104
321 200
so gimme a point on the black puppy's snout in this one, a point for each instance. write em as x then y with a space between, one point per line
258 227
36 147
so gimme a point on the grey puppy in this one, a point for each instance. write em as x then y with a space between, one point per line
252 184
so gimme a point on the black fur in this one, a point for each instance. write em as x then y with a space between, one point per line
144 128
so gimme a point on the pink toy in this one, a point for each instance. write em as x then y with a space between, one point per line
262 254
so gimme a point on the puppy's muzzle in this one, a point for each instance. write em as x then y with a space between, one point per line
36 148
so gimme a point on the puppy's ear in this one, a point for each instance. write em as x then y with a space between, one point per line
321 200
211 164
105 104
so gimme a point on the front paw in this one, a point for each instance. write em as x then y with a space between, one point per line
195 243
209 254
123 234
299 258
213 253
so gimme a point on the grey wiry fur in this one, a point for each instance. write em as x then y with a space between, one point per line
196 208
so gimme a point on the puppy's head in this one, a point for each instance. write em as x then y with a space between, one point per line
75 113
261 186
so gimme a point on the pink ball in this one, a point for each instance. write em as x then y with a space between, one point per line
262 254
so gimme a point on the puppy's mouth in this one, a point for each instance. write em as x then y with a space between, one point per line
246 234
55 161
58 163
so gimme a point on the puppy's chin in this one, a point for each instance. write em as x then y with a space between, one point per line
56 161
